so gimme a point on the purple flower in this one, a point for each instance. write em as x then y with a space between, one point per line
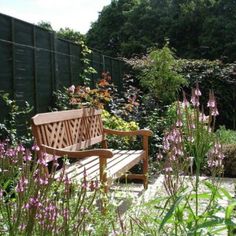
197 92
71 89
179 123
27 156
159 156
195 100
20 148
22 185
1 194
168 169
185 101
42 161
35 147
214 112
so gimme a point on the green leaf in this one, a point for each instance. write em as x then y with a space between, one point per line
171 211
229 210
226 193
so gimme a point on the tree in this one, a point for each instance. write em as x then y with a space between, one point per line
160 77
195 28
46 25
70 34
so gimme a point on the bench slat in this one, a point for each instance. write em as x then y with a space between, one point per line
120 163
84 144
56 116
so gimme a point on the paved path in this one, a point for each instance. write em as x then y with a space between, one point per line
134 193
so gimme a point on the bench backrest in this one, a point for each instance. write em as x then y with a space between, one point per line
76 128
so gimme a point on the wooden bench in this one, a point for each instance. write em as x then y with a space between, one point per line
70 133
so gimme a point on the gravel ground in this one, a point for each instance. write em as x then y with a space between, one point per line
134 193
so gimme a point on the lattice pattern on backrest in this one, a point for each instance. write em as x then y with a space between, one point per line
67 128
86 128
55 134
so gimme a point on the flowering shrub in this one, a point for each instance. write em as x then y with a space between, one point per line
187 147
35 202
84 96
191 205
117 123
102 97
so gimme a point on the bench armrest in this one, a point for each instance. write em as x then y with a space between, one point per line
142 132
104 153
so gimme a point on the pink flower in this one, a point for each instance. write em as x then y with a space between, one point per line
159 156
179 123
203 118
42 161
168 169
71 89
185 101
195 100
211 103
214 112
27 156
35 147
20 148
197 91
22 185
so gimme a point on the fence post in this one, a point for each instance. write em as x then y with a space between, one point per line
234 109
55 87
35 73
70 64
13 59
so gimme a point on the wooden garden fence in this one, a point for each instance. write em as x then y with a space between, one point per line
34 63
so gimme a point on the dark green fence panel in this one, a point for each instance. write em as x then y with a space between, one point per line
75 64
102 63
63 63
34 63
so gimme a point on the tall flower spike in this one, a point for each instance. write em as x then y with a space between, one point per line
185 101
211 103
195 99
197 90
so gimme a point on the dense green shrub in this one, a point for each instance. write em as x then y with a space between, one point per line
214 75
114 122
230 160
9 126
160 76
219 77
226 136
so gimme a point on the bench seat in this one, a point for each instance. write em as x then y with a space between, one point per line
117 166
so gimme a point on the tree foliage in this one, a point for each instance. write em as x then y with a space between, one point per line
196 28
160 76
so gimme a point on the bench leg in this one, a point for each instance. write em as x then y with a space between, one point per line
103 173
145 162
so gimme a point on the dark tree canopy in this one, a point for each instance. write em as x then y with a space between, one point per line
195 28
